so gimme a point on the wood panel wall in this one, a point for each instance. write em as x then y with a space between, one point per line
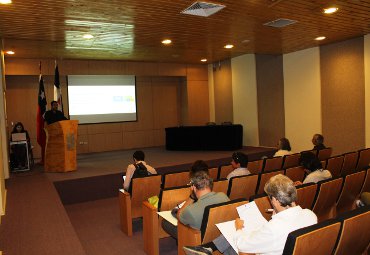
343 100
270 98
160 98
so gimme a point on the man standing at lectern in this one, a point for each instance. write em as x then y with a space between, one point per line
54 115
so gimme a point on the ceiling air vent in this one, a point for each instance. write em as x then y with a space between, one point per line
280 23
203 9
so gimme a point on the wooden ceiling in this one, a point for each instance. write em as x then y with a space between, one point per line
133 29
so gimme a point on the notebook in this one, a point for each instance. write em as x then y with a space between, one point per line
19 137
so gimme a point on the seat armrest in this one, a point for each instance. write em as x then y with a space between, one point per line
150 229
187 236
125 212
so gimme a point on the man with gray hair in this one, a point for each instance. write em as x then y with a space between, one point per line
270 238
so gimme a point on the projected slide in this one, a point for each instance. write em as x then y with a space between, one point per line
102 98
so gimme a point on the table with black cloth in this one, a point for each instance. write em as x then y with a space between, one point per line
216 137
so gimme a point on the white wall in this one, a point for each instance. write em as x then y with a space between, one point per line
244 89
302 97
367 89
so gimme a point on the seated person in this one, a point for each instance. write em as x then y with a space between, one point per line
239 163
283 148
54 115
201 195
139 164
270 238
19 151
313 168
318 142
364 199
198 166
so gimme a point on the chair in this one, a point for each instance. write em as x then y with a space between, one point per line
178 179
311 151
213 214
349 162
224 171
350 191
326 198
324 154
221 185
363 159
295 173
366 186
354 236
291 160
242 186
264 177
131 206
271 164
306 195
318 239
213 173
263 203
255 167
152 229
324 163
334 165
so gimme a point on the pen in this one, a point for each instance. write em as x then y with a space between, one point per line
269 210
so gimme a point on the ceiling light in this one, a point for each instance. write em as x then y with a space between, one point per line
10 52
166 41
88 36
320 38
330 10
228 46
5 1
203 60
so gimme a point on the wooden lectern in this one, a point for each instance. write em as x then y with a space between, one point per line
60 150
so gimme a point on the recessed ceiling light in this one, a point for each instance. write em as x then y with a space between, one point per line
246 41
5 1
330 10
203 60
166 41
228 46
320 38
10 52
88 36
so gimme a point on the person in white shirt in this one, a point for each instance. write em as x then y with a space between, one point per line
283 148
313 168
239 163
270 238
138 157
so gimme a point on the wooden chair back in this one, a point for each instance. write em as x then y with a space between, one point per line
296 173
334 165
306 241
213 173
225 170
255 167
291 160
264 177
349 162
271 164
366 186
324 163
306 195
363 159
171 197
131 206
221 186
326 198
178 179
350 191
242 186
263 203
324 154
354 237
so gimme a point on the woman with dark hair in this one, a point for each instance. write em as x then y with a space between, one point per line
283 148
313 168
19 151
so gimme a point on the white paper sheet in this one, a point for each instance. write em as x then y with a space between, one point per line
168 216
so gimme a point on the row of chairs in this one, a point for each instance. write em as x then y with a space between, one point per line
326 199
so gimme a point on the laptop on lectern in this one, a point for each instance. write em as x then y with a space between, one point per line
16 137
